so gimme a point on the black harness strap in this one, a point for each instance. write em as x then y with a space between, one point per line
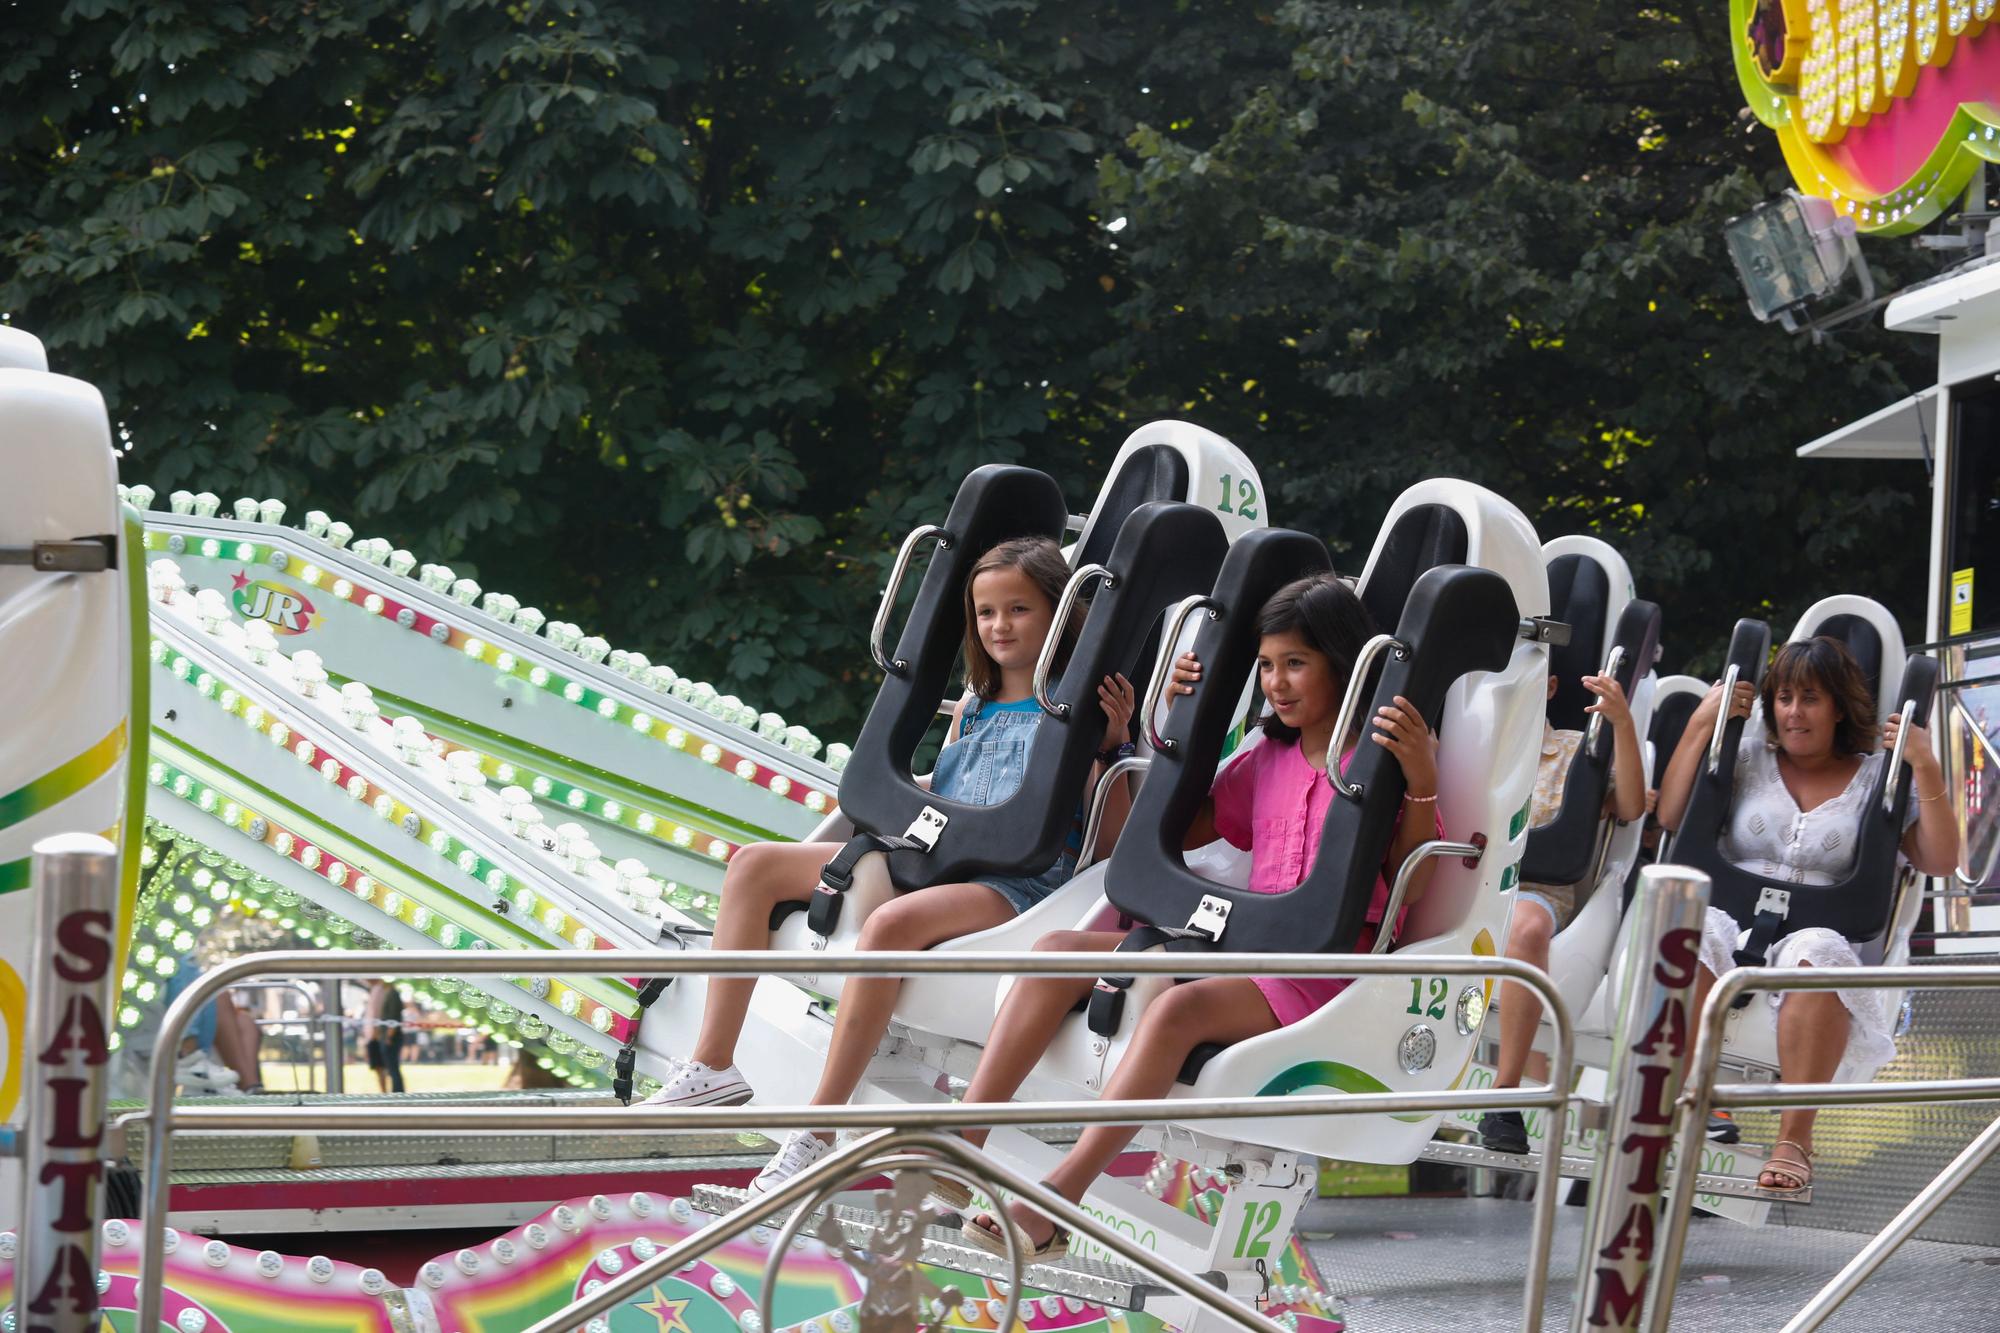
837 875
1106 1004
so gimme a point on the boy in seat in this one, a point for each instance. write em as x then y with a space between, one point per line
1542 911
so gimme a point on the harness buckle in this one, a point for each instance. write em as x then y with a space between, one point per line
1209 917
926 828
1776 901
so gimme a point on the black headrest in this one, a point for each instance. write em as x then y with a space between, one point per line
1151 472
1864 644
1670 718
1424 537
1579 596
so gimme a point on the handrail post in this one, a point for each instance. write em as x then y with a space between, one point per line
1163 664
1908 715
1612 662
1722 718
1045 660
1648 1056
880 629
70 1002
1423 852
1093 820
1350 703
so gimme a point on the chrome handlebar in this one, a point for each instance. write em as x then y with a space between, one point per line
1350 701
1722 719
1423 852
902 566
1156 687
1896 756
1093 822
1065 606
1612 662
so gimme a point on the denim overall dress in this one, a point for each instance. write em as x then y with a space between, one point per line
985 766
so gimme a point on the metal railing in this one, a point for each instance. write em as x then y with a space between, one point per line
162 1118
1702 1094
878 632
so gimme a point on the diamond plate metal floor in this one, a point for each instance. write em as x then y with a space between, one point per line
1453 1265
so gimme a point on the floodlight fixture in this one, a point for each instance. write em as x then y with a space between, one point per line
1793 252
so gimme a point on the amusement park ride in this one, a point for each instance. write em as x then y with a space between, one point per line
306 726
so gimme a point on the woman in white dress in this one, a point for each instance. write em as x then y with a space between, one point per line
1803 770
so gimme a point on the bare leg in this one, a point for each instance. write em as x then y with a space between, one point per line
1812 1037
760 876
914 921
1528 935
236 1039
1213 1009
1035 1007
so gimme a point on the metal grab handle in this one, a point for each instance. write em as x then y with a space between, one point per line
1612 662
1896 758
1156 687
902 566
1423 852
1722 719
1350 701
1045 660
1093 822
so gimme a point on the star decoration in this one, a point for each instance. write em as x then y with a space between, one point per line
671 1313
240 580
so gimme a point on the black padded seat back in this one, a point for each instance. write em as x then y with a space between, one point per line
1424 537
1670 719
1864 643
1457 619
1151 472
1580 597
1858 907
1564 851
1164 552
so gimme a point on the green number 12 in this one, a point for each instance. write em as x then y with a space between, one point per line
1258 1246
1246 497
1439 989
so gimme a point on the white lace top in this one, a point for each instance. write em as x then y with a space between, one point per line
1769 835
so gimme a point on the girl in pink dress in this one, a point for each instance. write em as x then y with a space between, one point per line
1271 801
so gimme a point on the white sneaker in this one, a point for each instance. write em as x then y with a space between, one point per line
801 1149
197 1072
695 1084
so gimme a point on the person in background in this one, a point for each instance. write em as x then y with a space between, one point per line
383 1027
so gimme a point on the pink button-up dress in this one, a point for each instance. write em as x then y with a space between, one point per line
1272 803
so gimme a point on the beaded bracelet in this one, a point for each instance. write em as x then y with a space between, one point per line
1420 800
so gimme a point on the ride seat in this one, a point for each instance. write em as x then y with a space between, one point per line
1860 906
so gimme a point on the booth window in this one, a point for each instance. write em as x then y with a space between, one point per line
1972 592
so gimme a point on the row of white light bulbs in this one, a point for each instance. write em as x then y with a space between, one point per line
507 610
632 882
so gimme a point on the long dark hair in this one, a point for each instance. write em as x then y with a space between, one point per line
1824 664
1324 611
1041 560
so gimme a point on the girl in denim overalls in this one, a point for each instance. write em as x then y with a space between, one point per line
1010 601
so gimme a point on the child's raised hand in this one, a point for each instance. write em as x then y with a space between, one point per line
1400 729
1611 701
1187 674
1115 697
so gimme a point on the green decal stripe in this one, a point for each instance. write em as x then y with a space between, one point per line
63 781
14 875
132 822
1329 1074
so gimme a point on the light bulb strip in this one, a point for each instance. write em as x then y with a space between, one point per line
409 908
579 692
386 804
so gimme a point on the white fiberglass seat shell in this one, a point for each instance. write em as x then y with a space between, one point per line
1581 953
1489 727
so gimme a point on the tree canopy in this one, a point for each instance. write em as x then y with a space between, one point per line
671 319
